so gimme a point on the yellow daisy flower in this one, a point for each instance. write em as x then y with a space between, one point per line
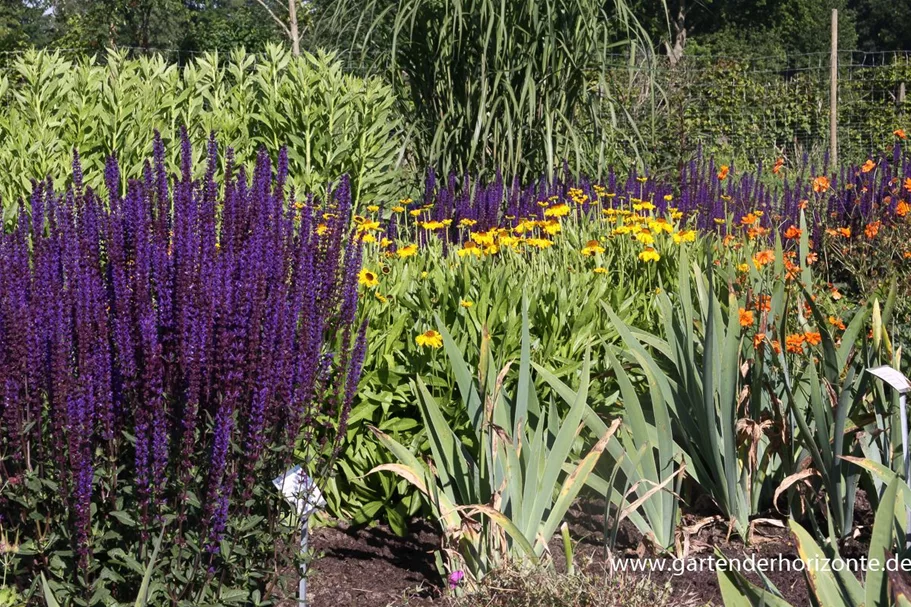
368 278
649 254
592 247
429 339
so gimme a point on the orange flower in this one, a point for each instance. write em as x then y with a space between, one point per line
872 229
802 205
900 133
812 258
846 232
763 303
776 345
820 184
837 323
794 343
793 270
836 294
907 254
792 232
778 164
902 208
763 258
869 165
757 340
748 219
813 338
746 317
723 173
908 183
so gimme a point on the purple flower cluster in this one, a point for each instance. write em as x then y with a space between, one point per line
702 190
185 334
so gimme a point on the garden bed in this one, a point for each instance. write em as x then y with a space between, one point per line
371 566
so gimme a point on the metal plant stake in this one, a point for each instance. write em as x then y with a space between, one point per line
301 492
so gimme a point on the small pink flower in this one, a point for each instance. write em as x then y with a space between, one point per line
454 578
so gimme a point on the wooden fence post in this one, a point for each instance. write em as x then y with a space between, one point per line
833 93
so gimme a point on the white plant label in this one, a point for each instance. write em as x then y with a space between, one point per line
300 490
892 377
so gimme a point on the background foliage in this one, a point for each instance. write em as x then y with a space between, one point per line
334 123
512 86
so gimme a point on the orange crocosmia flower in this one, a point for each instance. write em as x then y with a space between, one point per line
748 219
776 345
837 323
872 229
746 317
794 343
902 208
869 165
802 205
764 303
836 294
764 257
900 133
908 184
792 232
814 338
812 258
758 339
792 269
907 254
846 232
723 173
821 184
778 164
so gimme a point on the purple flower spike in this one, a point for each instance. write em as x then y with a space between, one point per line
177 337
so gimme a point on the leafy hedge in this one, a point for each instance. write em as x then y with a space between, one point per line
333 123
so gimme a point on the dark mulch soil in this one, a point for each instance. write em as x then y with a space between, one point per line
366 567
372 567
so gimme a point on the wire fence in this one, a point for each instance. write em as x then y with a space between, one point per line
756 108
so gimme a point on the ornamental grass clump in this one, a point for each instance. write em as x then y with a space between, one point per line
165 351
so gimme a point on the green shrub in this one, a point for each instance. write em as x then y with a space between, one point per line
332 122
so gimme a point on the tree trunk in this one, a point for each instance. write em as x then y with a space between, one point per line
675 52
295 36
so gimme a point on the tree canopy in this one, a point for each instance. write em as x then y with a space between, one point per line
735 27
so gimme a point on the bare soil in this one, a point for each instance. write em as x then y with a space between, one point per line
372 567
